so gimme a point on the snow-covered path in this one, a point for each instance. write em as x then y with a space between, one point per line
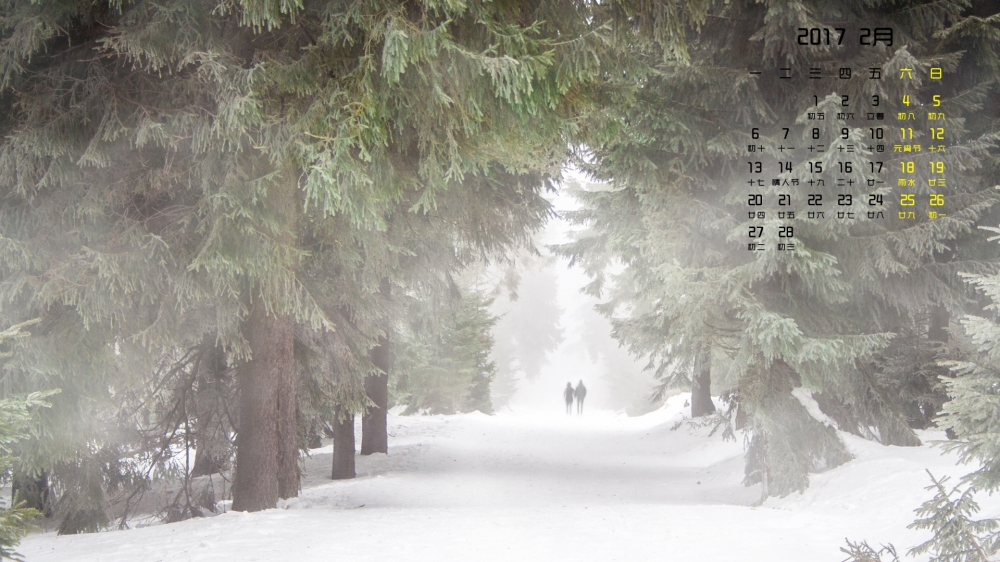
528 487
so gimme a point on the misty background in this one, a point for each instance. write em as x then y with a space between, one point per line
548 334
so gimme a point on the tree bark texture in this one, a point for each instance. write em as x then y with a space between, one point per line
374 425
255 486
288 412
343 445
374 430
701 384
288 433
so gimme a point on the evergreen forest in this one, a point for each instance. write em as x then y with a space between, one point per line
231 230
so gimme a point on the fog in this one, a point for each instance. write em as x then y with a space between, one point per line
550 334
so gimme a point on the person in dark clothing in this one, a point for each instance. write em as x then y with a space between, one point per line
568 394
580 393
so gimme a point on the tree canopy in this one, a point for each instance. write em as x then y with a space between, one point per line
859 285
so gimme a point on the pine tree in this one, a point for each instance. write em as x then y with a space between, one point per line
957 537
444 366
971 414
864 552
15 417
217 154
674 214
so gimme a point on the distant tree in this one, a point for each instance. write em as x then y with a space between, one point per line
444 365
528 329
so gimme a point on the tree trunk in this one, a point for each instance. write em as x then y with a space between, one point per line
938 330
209 440
288 435
374 430
255 485
34 492
286 201
343 445
701 384
314 437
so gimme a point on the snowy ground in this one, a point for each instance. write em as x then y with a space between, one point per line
526 486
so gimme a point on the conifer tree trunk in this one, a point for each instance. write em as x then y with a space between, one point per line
34 492
374 430
288 435
701 384
286 199
936 332
343 445
255 486
940 317
207 438
374 425
939 324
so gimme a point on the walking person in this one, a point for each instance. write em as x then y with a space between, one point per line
580 393
568 394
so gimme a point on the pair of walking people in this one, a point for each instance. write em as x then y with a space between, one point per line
580 392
